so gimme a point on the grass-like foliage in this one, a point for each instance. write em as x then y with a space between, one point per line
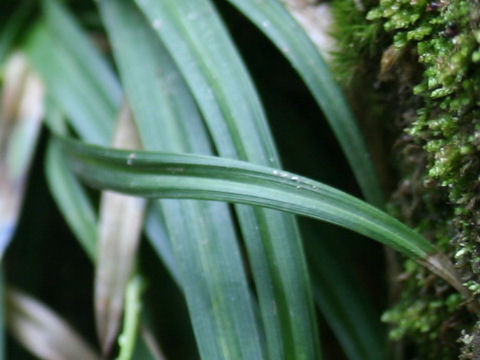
161 160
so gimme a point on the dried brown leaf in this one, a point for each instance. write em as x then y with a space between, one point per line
121 220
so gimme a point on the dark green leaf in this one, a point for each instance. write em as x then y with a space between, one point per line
274 20
205 177
201 233
200 46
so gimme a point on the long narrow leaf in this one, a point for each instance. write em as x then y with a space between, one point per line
20 119
272 18
205 177
72 200
68 32
120 226
197 40
201 233
89 113
183 176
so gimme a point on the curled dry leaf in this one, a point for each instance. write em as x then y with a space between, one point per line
42 331
21 112
121 220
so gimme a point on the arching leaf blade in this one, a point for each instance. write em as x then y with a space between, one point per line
207 177
273 19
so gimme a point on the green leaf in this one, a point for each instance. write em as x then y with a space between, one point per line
81 86
199 44
272 18
94 68
206 177
202 233
77 96
72 200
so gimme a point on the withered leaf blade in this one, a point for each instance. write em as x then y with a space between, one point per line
121 220
21 113
42 331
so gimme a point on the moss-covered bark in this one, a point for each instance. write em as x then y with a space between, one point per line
420 62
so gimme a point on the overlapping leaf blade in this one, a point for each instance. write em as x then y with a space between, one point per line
200 46
72 200
272 18
93 66
207 177
77 95
204 177
83 87
202 235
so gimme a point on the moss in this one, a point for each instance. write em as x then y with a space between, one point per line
424 56
470 344
358 41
